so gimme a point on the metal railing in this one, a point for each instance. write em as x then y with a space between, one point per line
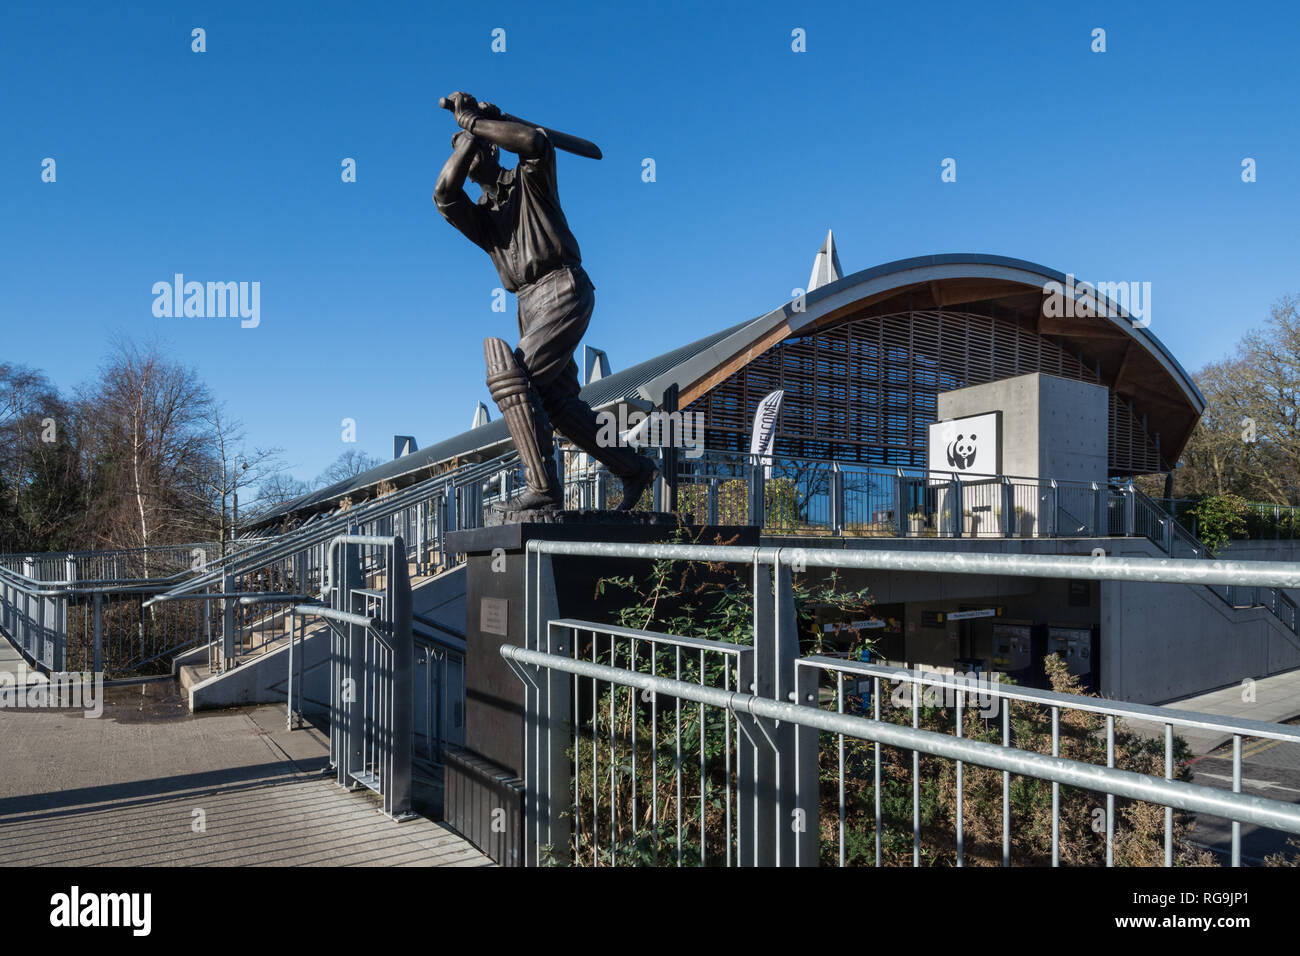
97 626
297 562
1265 521
371 667
152 564
623 726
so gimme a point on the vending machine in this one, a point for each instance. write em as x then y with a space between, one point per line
1013 651
1077 646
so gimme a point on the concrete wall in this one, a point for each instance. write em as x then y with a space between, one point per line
263 679
1051 427
1261 551
1164 641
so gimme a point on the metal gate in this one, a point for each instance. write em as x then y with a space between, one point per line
371 665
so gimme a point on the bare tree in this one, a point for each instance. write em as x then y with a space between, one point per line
41 506
151 420
230 466
27 399
279 488
1270 397
1216 459
1248 440
348 465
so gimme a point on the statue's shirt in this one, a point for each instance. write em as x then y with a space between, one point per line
522 227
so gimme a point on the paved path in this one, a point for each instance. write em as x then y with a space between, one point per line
147 784
13 663
1270 768
1275 700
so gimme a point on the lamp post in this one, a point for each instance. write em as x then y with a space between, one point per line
234 521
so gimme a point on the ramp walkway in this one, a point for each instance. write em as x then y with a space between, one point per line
148 784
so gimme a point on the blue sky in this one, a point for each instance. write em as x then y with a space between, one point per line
225 166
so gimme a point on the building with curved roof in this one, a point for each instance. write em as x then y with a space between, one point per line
862 359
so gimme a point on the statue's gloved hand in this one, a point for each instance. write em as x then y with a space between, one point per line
465 108
488 111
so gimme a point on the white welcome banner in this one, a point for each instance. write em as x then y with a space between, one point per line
763 439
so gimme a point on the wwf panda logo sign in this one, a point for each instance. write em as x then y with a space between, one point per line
966 447
961 451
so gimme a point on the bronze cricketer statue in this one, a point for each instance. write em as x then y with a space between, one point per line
518 222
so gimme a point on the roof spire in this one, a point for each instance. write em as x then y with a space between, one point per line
826 267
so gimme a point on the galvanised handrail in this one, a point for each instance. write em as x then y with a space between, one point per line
319 532
983 688
1002 497
78 566
776 703
46 621
1282 574
803 802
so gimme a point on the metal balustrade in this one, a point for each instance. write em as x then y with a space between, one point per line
297 561
372 653
95 626
132 625
738 738
154 563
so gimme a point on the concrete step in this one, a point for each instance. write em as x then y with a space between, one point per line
191 674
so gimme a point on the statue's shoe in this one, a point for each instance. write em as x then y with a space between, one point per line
533 501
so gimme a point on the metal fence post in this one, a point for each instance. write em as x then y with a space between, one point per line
712 501
757 491
837 498
1100 516
352 678
440 525
227 620
59 639
421 540
774 828
547 729
1008 516
30 641
799 794
99 633
1130 509
756 762
1053 509
956 511
398 790
900 505
43 652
